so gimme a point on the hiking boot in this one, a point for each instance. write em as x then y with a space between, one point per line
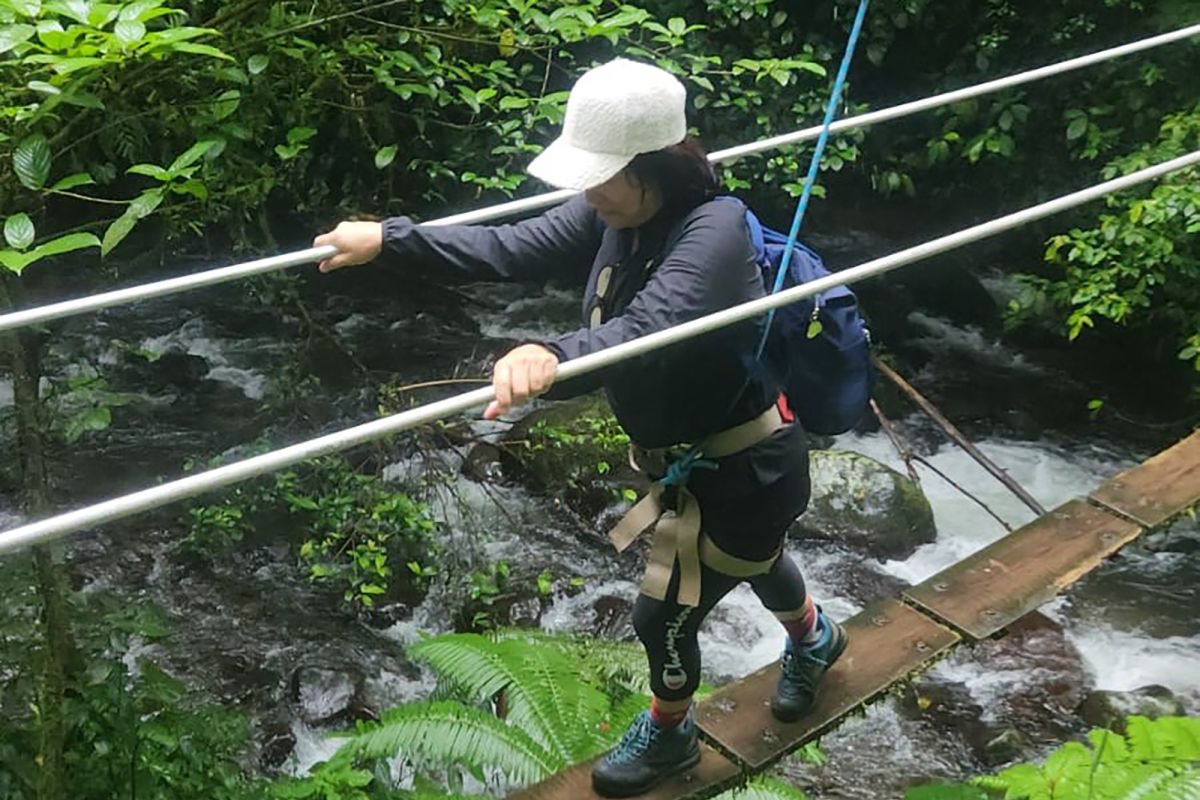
647 754
801 669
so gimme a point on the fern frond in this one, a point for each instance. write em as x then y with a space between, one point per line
764 789
1131 781
1019 782
1184 735
1111 747
1184 786
466 660
1144 742
546 697
550 693
602 662
1070 765
448 733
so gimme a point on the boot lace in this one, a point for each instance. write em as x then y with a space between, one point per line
640 737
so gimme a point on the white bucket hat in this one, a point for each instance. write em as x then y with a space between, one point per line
616 111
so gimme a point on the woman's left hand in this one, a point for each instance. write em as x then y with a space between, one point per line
523 372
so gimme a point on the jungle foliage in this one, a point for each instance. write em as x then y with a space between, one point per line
153 126
1152 760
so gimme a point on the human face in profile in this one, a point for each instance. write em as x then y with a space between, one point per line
623 201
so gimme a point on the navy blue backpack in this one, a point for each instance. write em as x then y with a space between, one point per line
825 368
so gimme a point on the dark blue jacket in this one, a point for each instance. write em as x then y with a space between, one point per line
667 272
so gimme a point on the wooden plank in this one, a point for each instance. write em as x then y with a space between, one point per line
1158 489
713 772
888 640
1012 576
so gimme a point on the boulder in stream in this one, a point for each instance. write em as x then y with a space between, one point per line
575 448
1009 696
324 695
865 504
1107 709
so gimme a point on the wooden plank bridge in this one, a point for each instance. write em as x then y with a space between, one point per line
972 600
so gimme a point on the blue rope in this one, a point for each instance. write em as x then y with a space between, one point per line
681 469
815 164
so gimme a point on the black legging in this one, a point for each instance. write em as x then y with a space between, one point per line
747 505
668 630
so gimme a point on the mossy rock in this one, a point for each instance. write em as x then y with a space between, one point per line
865 504
574 448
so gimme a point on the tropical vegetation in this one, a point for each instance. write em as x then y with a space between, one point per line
134 132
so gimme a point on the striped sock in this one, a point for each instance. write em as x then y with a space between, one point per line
802 626
671 716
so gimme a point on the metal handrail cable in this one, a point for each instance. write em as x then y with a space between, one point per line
127 505
82 305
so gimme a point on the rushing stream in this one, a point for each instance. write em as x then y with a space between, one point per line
252 631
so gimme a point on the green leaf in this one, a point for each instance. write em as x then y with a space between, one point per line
142 206
44 88
129 31
17 262
117 231
257 63
139 10
226 103
13 35
385 156
150 171
28 8
677 25
71 181
18 231
77 10
65 66
193 187
31 161
94 419
445 733
300 134
202 50
191 155
83 100
1078 127
508 103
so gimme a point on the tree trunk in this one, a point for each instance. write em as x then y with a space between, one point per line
24 351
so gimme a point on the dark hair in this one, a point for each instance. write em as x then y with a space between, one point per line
681 172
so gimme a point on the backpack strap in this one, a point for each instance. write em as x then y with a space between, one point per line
756 229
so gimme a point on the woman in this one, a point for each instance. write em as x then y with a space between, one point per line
661 251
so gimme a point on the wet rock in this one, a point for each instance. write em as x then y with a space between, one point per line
1105 709
834 564
1181 536
1006 746
525 612
576 448
867 505
1006 696
276 743
386 616
482 462
613 618
169 371
323 695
